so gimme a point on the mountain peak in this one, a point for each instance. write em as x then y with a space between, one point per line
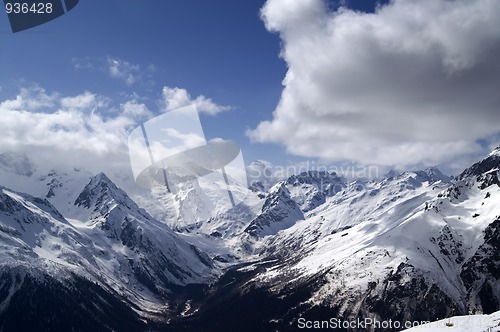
314 177
280 189
391 174
101 177
278 212
434 174
98 191
495 152
480 169
429 174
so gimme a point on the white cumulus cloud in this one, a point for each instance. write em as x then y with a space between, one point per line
87 130
86 100
33 98
135 109
175 98
414 82
67 130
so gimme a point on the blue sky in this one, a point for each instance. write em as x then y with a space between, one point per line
219 49
226 52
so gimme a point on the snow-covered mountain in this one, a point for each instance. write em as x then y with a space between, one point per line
155 254
411 246
416 245
311 189
279 212
126 258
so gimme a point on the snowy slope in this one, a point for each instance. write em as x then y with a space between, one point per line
114 243
411 246
470 323
60 185
153 247
383 245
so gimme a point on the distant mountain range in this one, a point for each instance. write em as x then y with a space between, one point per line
79 253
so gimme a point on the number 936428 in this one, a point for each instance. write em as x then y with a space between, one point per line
28 8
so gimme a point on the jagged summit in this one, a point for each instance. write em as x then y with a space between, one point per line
430 174
110 241
314 177
487 167
310 189
433 174
278 212
279 190
392 173
415 179
101 190
495 152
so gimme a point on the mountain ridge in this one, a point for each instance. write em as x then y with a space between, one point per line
313 245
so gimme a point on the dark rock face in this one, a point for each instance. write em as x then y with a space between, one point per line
10 206
406 296
484 172
481 273
96 192
43 303
279 211
449 245
235 304
323 178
